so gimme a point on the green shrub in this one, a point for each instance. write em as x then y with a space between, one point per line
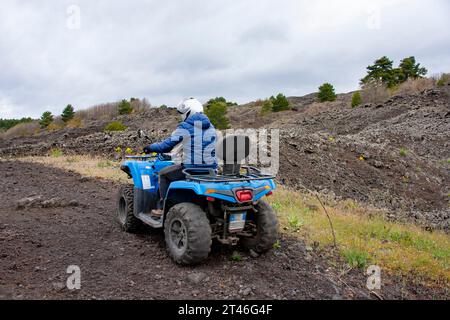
236 256
115 126
356 99
326 92
216 112
294 222
444 79
356 258
277 245
56 153
403 152
125 107
266 107
279 103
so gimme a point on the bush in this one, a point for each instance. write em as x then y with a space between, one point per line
68 113
125 107
139 105
216 112
75 123
46 119
280 103
266 107
403 152
375 92
22 130
443 80
54 126
412 86
6 124
356 99
326 92
106 111
56 153
115 126
356 258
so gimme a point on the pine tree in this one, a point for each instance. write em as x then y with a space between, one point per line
381 71
326 92
125 107
46 119
409 69
280 103
216 112
68 113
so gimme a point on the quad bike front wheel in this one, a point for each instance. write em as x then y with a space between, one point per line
125 199
266 229
187 234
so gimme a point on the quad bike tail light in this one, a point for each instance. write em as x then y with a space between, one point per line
244 195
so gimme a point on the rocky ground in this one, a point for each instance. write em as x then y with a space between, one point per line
392 155
50 219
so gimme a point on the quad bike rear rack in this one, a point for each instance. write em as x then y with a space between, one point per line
209 174
198 175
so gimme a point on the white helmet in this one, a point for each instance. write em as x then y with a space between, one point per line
188 107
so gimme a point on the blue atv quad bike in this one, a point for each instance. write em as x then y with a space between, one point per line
206 205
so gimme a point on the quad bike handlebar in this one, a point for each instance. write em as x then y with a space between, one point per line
160 156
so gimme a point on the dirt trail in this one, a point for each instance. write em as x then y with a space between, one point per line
38 244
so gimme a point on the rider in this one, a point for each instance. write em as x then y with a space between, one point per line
198 136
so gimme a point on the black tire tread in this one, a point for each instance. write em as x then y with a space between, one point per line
132 224
198 230
267 225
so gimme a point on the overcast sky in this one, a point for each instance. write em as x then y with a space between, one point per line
53 53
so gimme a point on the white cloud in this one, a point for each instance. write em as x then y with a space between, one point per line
6 108
242 49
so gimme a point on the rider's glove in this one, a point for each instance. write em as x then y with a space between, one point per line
147 150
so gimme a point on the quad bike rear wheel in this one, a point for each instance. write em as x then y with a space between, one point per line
127 220
266 234
187 234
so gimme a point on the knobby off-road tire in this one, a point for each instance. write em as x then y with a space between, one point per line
125 199
267 230
189 221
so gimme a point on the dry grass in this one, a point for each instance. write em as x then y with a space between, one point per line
108 111
363 236
84 165
105 111
76 122
21 130
413 86
442 79
375 93
57 124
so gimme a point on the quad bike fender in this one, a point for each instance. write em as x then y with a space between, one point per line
224 191
144 174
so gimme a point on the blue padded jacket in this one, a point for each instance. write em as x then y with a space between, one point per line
198 136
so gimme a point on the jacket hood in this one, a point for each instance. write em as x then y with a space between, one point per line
199 117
